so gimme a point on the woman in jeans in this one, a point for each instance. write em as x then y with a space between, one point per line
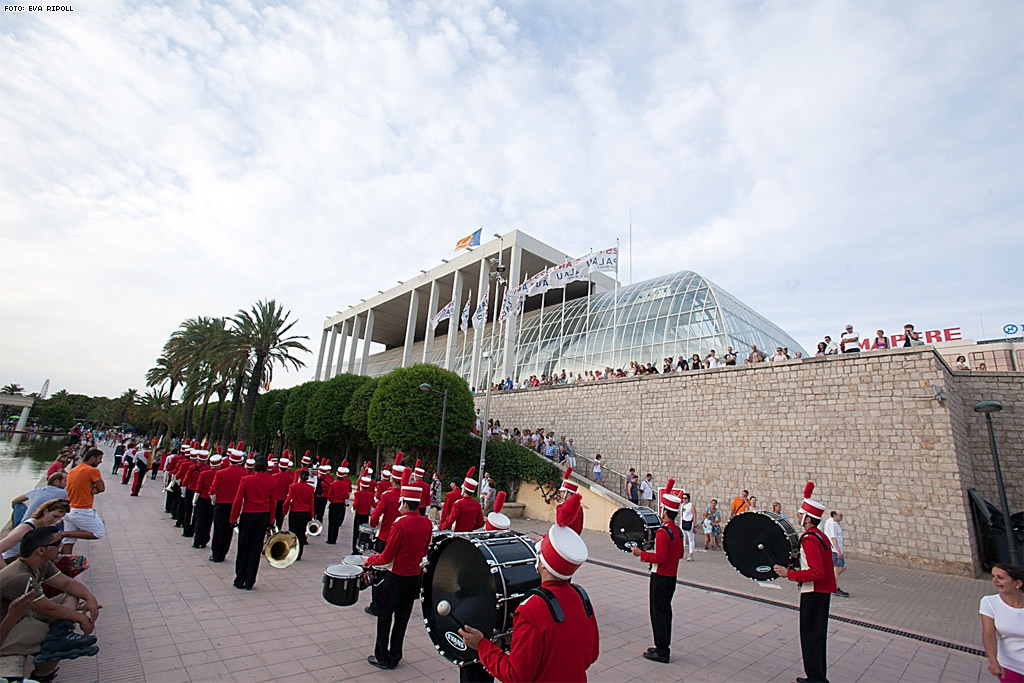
715 516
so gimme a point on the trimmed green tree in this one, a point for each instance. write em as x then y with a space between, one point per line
294 422
325 412
58 416
269 416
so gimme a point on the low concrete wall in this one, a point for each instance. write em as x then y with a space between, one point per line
597 508
865 427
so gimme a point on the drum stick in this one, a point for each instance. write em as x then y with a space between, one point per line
444 609
760 546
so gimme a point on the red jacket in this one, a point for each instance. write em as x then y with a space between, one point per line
225 483
362 502
407 545
449 500
543 650
666 551
340 490
385 513
425 496
284 479
383 487
256 493
300 498
205 480
325 485
576 523
178 465
192 476
466 515
819 562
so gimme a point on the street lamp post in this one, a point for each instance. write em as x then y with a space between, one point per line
487 406
444 411
989 407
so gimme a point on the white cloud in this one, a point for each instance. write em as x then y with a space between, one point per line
822 162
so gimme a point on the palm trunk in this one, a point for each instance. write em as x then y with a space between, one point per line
236 398
202 415
250 398
221 396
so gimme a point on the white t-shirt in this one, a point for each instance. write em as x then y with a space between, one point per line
834 531
597 465
849 340
1010 625
712 362
646 490
687 512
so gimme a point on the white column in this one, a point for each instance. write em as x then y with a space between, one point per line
19 431
320 358
453 322
356 324
512 321
410 327
346 328
367 336
329 371
478 332
428 339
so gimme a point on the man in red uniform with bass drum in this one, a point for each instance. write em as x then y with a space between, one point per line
668 549
466 514
403 555
554 631
817 584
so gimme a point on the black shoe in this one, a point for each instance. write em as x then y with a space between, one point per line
655 657
75 653
841 593
652 650
332 542
801 679
237 585
372 611
134 494
372 659
62 636
249 587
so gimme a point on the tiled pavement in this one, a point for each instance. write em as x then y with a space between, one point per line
171 616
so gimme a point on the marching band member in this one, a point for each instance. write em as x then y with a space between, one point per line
403 555
188 485
817 584
299 508
454 493
142 462
384 484
204 506
362 505
381 519
466 513
568 490
337 495
252 509
545 647
222 494
285 478
303 465
668 550
169 484
496 520
323 485
419 480
177 475
128 462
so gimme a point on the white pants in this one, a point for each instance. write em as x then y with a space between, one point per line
83 519
688 540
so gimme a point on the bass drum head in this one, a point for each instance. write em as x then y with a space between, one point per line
629 527
745 532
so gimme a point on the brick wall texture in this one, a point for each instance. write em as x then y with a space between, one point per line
865 427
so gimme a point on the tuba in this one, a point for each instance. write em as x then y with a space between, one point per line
314 527
281 548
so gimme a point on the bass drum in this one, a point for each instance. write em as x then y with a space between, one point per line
635 526
483 576
779 540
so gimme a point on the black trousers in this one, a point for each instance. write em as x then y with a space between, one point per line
204 521
662 590
179 506
156 468
357 520
279 515
171 502
222 532
118 457
474 673
139 476
319 505
378 547
335 518
397 593
297 522
252 530
813 633
187 522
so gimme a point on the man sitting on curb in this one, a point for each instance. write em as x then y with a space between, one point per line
48 630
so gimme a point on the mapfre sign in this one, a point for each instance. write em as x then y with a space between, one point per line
927 336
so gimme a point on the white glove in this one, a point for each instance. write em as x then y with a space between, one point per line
195 499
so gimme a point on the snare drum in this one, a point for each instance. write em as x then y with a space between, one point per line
634 527
342 583
483 575
365 541
743 535
354 560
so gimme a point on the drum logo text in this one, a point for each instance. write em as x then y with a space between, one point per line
456 641
764 569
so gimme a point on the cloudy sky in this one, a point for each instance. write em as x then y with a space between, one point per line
826 162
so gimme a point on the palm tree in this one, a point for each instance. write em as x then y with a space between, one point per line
126 402
264 329
13 389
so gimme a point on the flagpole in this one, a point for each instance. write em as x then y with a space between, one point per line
615 307
586 339
561 328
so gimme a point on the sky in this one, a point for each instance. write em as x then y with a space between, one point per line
825 162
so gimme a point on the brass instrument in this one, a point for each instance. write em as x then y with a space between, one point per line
314 527
281 548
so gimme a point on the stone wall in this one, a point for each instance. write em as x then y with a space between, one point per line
866 428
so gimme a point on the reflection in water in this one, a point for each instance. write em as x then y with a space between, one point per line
22 467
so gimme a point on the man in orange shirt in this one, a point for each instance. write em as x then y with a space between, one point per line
740 503
84 482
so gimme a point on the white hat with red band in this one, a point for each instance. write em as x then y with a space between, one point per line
562 551
669 500
469 484
497 520
343 468
215 460
398 469
325 469
365 481
306 459
810 506
417 470
250 463
410 494
567 485
236 454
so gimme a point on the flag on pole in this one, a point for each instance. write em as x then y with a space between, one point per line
464 324
469 240
444 314
598 262
538 284
480 314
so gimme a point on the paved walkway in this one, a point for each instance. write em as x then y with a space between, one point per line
171 616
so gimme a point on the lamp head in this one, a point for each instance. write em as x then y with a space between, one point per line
988 407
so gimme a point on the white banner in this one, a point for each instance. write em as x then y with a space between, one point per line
464 323
480 314
444 314
507 304
560 276
538 284
598 262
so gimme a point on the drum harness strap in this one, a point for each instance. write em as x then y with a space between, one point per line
556 609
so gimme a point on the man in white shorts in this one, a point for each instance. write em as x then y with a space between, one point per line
84 482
